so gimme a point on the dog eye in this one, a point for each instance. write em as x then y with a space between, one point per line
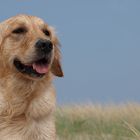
46 32
19 30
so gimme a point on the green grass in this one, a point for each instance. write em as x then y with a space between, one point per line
96 122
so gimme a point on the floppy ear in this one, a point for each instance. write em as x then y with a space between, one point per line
1 36
56 64
56 68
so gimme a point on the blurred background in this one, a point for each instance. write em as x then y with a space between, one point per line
100 46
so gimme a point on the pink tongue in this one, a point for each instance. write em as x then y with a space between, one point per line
42 69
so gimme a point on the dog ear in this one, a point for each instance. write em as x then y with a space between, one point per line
0 34
56 68
56 64
1 37
3 32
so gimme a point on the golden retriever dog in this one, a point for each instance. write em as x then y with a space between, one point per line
29 59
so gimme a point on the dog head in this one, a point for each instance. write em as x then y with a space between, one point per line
29 46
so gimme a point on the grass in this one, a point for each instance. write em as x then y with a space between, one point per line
98 122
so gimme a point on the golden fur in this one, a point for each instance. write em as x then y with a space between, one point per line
26 104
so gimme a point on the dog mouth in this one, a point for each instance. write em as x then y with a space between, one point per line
35 69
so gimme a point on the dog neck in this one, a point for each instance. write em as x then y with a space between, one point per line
17 92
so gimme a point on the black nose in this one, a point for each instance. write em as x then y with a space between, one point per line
44 45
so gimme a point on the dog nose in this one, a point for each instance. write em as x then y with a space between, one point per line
44 45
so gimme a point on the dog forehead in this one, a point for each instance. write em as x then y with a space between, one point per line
24 20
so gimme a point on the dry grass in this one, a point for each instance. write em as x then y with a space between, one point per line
98 122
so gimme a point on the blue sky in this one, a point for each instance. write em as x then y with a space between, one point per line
100 46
